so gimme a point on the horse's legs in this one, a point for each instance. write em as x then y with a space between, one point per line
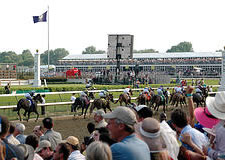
25 113
28 116
86 108
19 114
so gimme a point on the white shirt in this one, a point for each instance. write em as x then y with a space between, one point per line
76 155
73 99
37 157
43 100
11 139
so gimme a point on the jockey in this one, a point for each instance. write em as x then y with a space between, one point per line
127 91
146 90
83 94
159 91
178 89
29 97
198 90
102 94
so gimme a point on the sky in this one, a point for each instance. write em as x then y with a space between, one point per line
77 24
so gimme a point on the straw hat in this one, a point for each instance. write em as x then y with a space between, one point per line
216 105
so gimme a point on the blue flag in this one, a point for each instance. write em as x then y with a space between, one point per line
41 18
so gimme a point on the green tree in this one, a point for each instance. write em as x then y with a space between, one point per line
145 51
54 56
92 50
8 57
182 47
26 59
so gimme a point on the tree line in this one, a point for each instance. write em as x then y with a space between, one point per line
27 59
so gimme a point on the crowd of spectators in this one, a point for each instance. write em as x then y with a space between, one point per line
126 134
147 61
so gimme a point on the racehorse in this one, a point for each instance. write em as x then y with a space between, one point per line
25 104
158 100
144 99
200 99
177 98
102 103
124 98
81 102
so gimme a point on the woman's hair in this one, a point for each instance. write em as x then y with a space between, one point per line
98 151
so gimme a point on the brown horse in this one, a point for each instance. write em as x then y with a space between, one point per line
82 102
158 100
102 103
200 99
24 103
144 99
124 98
177 98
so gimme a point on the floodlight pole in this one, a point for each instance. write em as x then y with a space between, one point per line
48 42
118 57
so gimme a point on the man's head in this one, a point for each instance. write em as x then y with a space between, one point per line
19 128
32 140
179 119
47 123
73 143
5 126
38 131
44 149
143 112
98 115
61 152
120 122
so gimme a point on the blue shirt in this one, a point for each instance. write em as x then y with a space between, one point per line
130 148
21 138
197 137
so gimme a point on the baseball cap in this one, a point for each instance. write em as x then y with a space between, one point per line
43 144
124 114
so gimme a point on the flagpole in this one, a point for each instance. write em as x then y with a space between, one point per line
48 41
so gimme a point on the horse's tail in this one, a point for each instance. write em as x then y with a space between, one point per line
18 105
92 107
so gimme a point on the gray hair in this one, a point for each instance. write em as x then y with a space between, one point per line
128 128
98 151
20 127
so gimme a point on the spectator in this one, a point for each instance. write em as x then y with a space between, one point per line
216 106
44 150
32 140
27 151
11 139
43 107
38 131
102 134
19 132
61 152
98 117
169 136
143 112
73 144
180 122
121 128
150 133
12 150
98 151
52 136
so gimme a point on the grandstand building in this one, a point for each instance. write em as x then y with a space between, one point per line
206 64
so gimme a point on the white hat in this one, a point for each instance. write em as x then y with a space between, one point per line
216 105
138 108
99 112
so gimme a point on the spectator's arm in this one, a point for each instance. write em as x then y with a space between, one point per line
190 105
186 138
